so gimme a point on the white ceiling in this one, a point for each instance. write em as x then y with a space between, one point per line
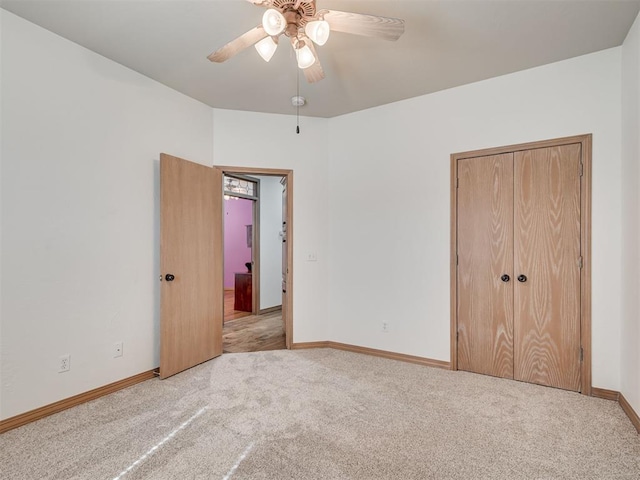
446 43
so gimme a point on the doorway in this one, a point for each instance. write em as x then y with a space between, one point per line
192 261
272 273
253 239
520 262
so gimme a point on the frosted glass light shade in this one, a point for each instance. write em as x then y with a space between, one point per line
266 48
305 57
273 22
318 31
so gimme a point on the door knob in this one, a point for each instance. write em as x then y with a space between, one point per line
169 278
505 278
522 278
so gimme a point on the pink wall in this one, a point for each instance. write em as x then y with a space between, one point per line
237 214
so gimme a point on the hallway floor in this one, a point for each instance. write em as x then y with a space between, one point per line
244 332
254 333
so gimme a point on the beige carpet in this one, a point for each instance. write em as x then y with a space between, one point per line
326 414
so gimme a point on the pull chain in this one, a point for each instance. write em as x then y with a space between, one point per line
298 103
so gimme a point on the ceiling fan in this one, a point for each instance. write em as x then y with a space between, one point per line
303 24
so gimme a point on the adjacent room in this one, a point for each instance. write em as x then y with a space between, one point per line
254 236
396 239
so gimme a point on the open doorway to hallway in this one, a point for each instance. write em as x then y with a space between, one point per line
253 250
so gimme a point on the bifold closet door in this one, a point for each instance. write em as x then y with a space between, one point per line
547 266
485 259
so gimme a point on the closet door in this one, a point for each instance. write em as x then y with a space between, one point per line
485 256
547 266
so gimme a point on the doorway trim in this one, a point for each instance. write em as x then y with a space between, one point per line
585 243
287 305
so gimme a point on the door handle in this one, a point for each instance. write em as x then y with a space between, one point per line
505 278
169 278
522 278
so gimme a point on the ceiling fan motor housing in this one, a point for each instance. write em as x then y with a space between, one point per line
305 9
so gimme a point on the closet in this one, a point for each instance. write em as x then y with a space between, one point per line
520 235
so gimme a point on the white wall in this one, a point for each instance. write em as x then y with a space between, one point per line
630 340
389 173
269 141
270 242
79 196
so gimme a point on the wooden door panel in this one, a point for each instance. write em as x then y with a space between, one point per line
485 253
192 304
547 252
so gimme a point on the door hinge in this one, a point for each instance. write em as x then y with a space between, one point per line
581 169
457 182
457 335
456 259
580 262
581 354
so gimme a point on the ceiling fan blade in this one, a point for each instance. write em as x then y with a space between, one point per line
314 73
234 46
368 25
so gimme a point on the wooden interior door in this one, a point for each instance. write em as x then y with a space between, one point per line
547 266
191 256
485 260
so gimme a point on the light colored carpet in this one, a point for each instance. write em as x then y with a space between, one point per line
327 414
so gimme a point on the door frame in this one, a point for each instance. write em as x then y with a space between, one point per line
287 304
585 243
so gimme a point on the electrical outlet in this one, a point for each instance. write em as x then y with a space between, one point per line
65 363
117 349
312 257
385 327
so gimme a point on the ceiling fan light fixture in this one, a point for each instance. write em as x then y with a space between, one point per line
318 31
266 48
273 22
305 57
